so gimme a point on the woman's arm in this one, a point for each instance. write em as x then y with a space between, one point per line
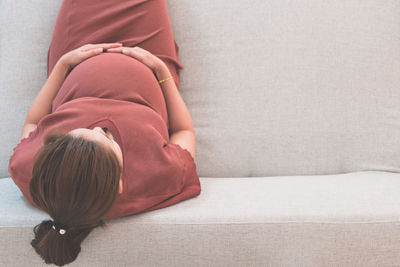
41 106
178 114
180 121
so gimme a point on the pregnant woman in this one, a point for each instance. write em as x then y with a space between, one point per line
109 134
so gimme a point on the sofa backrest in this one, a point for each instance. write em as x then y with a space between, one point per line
25 33
274 87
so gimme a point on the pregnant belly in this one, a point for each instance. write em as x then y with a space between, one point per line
114 76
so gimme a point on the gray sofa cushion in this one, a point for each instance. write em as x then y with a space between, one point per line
291 87
274 87
320 220
25 33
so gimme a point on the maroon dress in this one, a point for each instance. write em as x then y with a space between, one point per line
119 92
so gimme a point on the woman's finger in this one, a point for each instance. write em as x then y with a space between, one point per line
92 52
127 51
135 52
141 50
131 50
104 45
115 49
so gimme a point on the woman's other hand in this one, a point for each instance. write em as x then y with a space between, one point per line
76 56
144 56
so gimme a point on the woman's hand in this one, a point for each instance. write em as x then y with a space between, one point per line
76 56
144 56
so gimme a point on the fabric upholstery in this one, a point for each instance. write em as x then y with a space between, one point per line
303 94
274 87
323 220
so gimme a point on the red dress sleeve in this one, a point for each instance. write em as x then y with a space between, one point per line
191 183
20 163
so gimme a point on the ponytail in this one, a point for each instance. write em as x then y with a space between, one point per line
56 248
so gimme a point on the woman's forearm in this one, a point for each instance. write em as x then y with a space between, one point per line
178 115
41 106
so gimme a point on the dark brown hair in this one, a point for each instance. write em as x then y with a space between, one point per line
75 181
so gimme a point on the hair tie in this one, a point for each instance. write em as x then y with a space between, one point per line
61 229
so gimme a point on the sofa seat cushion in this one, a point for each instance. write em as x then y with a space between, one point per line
350 197
349 219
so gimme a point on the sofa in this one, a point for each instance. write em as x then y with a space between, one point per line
296 109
